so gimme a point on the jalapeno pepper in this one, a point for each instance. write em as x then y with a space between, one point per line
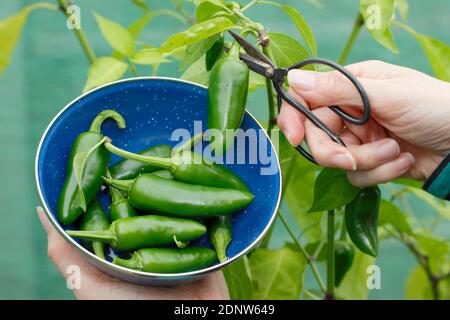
155 194
220 235
213 53
69 206
361 218
189 167
227 96
135 233
343 260
95 219
169 260
130 169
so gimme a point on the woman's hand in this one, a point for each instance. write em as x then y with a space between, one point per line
98 285
408 135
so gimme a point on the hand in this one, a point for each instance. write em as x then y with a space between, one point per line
408 135
97 285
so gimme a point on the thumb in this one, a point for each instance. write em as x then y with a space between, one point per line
331 88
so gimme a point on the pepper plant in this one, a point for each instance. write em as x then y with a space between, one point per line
315 222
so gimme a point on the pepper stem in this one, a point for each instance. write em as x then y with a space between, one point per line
99 249
234 51
163 163
124 185
105 236
102 116
187 146
134 263
116 195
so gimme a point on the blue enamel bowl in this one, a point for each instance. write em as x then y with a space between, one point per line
153 108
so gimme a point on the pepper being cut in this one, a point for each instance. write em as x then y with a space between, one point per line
69 205
93 220
149 192
227 96
168 260
361 218
135 233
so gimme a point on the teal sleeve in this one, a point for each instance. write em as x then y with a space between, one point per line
438 184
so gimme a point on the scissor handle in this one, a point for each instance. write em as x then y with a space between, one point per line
362 93
283 94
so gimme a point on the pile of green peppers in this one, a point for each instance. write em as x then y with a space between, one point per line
161 198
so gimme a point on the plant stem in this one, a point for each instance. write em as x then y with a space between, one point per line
81 36
249 5
330 258
310 261
273 112
359 22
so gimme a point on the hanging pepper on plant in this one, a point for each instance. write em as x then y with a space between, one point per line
227 96
361 218
90 156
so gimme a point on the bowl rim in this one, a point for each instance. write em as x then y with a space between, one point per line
131 272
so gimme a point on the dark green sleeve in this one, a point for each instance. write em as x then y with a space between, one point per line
438 184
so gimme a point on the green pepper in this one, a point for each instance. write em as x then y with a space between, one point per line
135 233
227 96
155 194
343 260
93 220
361 218
69 205
213 53
189 167
169 260
130 169
220 235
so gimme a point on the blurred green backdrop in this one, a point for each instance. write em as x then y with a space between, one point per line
49 69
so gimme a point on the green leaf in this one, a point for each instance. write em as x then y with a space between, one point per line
119 38
196 50
435 249
408 182
149 57
104 70
437 52
332 190
277 274
378 16
286 50
11 29
196 33
298 179
392 215
79 163
239 279
418 286
403 7
135 29
442 207
209 9
197 72
256 81
301 24
354 284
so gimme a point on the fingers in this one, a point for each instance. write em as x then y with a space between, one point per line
382 173
291 121
371 155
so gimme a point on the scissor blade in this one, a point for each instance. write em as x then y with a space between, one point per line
251 49
257 66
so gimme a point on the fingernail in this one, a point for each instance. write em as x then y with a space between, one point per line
388 150
404 161
344 161
289 138
304 80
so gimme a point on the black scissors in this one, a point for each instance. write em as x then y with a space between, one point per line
258 62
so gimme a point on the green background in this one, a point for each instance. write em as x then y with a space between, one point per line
49 69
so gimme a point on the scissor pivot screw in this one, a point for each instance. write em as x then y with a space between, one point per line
269 72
